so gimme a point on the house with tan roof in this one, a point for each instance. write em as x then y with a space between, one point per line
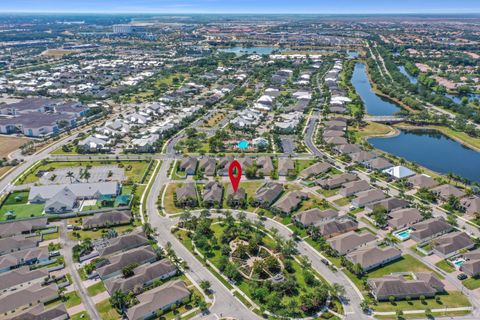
21 277
423 284
30 296
350 241
471 205
40 312
286 166
371 258
337 226
422 181
289 202
114 264
336 181
186 195
316 169
212 194
404 218
8 229
107 219
429 229
367 197
123 243
159 298
267 194
315 216
445 191
354 187
451 243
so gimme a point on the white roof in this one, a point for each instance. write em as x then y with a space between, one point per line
399 172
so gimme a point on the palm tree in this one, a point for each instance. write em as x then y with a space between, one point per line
70 175
338 290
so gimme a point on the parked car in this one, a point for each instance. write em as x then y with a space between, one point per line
462 276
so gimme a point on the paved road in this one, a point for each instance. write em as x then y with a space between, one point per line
77 281
224 303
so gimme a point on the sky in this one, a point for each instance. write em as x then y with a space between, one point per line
242 6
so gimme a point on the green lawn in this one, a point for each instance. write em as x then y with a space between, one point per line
422 316
17 197
168 203
453 299
342 202
445 266
21 211
95 289
134 170
99 232
80 316
107 312
327 193
71 299
472 283
406 264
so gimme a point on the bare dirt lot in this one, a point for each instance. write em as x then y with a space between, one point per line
9 144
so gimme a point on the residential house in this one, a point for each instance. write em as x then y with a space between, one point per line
472 264
159 298
429 229
471 205
336 181
21 277
8 229
316 169
423 284
40 312
264 165
237 199
422 181
404 218
188 165
114 264
286 167
186 195
207 166
143 276
267 194
379 163
445 191
38 255
366 197
122 243
93 144
30 296
332 228
371 258
289 202
315 216
451 243
107 219
354 187
212 194
350 241
347 148
13 244
390 204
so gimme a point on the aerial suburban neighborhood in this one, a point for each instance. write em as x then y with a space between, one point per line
239 166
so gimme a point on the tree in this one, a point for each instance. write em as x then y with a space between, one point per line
338 289
70 176
391 299
205 285
119 300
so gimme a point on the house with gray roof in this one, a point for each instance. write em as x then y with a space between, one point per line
143 276
363 156
30 296
347 148
223 165
422 181
212 194
423 284
207 166
17 259
379 163
367 197
289 202
336 181
389 204
40 312
21 277
236 199
371 258
186 195
337 226
267 194
451 243
314 216
8 229
316 169
107 219
114 264
472 264
264 165
286 166
354 187
13 244
471 205
159 298
445 191
350 241
122 243
429 229
403 218
188 165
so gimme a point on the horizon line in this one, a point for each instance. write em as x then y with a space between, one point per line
239 13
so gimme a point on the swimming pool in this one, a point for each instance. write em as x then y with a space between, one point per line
458 262
403 234
242 144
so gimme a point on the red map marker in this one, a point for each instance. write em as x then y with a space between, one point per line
235 180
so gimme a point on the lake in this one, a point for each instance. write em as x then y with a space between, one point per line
410 78
374 105
251 50
433 150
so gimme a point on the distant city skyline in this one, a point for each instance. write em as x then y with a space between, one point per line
244 6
